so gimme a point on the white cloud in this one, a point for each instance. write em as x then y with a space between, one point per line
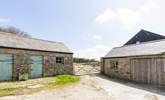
128 18
97 37
93 52
4 20
148 6
108 14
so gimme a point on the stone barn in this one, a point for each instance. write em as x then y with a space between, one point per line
140 61
46 58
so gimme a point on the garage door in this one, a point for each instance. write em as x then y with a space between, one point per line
147 70
37 66
5 67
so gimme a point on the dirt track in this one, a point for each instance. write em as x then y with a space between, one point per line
96 88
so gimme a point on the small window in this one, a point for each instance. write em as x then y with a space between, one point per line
137 42
60 60
114 65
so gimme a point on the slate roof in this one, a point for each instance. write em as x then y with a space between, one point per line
144 36
146 48
14 41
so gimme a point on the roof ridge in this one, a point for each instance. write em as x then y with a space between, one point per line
45 40
151 32
31 38
16 41
144 36
141 43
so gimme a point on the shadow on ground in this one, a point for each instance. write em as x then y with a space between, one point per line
148 87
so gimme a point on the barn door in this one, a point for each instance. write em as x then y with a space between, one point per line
5 67
160 71
163 72
37 66
153 70
148 70
140 70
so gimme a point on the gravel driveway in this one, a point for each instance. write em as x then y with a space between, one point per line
97 87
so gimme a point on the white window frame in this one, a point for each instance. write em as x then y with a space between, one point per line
60 60
114 64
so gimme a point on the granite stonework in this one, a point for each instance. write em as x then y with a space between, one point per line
123 70
22 58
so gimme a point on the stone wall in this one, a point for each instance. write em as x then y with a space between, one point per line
86 68
50 68
123 70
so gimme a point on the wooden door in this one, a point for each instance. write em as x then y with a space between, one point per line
160 71
37 66
140 70
5 67
148 70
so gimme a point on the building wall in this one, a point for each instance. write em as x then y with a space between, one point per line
123 70
143 69
50 68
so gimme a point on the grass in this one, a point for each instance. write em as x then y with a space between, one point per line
21 87
62 80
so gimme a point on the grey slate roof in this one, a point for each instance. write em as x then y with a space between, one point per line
13 41
144 36
146 48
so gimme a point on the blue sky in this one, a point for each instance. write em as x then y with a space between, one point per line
90 28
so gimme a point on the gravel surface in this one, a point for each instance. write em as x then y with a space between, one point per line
96 88
118 90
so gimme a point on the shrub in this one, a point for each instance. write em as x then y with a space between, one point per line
25 77
26 70
23 73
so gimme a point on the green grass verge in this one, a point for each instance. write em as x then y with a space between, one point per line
62 80
59 81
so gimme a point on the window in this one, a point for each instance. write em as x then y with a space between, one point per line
60 60
114 65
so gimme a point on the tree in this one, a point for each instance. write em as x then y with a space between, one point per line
14 30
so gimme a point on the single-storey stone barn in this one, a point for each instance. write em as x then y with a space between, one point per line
46 58
141 59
